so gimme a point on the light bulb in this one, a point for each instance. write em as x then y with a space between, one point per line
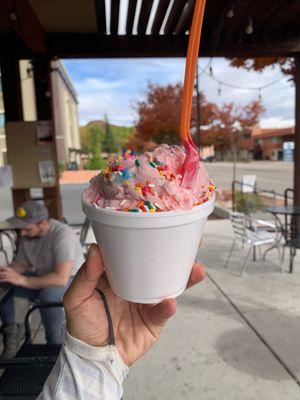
13 16
249 28
230 13
220 89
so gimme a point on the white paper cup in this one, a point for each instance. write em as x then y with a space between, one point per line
148 257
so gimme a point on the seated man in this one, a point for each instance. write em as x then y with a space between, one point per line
48 256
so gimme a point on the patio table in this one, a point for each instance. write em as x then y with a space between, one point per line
291 232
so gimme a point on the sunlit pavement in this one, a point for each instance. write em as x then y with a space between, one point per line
232 338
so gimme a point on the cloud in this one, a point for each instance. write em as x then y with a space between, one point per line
114 85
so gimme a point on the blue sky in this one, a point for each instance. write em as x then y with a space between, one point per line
114 85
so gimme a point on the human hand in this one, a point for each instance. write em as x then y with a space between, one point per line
9 275
136 326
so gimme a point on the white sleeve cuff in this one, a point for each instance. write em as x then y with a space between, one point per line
98 354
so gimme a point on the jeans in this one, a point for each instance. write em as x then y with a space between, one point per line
52 318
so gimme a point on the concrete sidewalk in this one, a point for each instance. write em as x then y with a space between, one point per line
232 338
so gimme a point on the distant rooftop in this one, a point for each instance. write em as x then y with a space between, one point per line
260 133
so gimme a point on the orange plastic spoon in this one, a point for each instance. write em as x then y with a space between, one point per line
191 164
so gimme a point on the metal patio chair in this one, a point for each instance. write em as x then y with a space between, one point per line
254 238
25 374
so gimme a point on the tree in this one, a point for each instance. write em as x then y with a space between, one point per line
95 138
287 65
109 144
233 125
159 115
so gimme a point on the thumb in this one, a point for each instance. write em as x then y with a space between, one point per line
85 280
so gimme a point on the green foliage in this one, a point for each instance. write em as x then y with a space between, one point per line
122 135
248 203
109 143
95 137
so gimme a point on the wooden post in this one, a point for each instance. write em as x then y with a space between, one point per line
12 98
297 136
44 108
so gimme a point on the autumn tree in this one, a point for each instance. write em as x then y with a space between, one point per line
286 64
233 124
159 115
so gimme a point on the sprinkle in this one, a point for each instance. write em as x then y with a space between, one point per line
138 191
137 162
140 204
138 185
123 202
126 209
110 208
152 210
152 163
150 205
161 173
119 173
135 210
151 185
126 183
120 168
146 208
145 190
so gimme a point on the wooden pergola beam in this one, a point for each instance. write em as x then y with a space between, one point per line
114 17
25 23
130 16
100 16
144 16
174 17
159 16
93 45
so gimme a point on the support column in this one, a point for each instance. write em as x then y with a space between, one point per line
297 136
12 98
44 108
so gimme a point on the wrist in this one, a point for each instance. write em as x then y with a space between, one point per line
23 281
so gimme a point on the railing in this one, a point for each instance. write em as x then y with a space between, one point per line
238 185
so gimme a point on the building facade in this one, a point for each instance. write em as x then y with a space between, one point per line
268 144
64 108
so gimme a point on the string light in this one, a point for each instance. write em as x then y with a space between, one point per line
259 94
220 89
257 89
230 12
249 28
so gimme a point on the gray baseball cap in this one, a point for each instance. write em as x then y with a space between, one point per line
29 212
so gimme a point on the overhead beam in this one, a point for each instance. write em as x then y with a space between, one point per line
130 16
114 17
159 16
174 16
25 23
186 19
100 16
144 16
92 45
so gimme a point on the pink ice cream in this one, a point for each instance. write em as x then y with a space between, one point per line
148 183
